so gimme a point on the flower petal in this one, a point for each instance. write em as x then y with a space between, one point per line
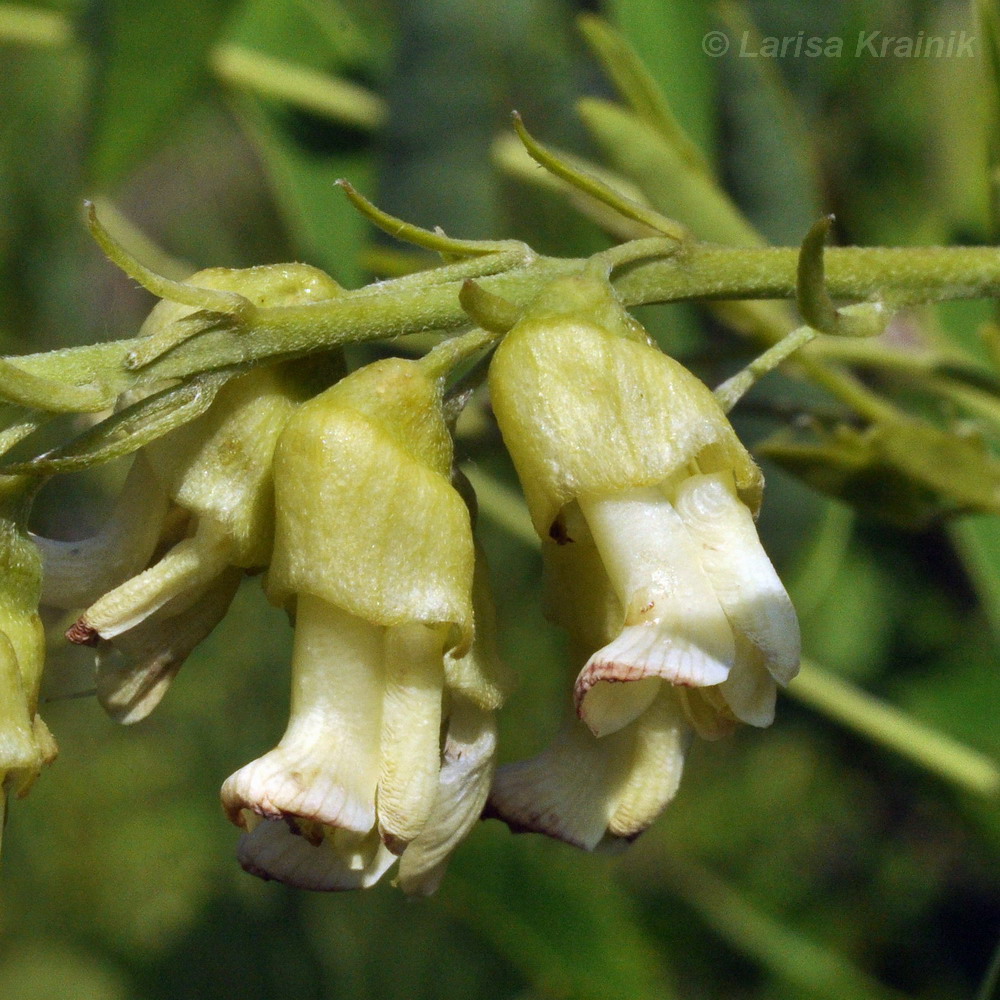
594 793
326 766
190 564
135 670
675 628
411 731
750 691
748 588
75 574
481 674
273 851
660 739
467 768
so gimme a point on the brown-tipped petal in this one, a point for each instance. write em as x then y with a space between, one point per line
190 564
675 628
467 768
75 574
326 766
571 790
749 590
411 731
135 671
273 851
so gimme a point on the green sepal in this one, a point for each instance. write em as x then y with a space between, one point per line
588 407
366 516
130 429
25 743
219 467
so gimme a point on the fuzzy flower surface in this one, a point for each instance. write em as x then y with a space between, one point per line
195 514
389 749
645 500
25 742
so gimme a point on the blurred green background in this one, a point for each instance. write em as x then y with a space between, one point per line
803 861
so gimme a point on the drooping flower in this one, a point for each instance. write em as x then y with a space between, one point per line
390 745
195 514
632 471
25 742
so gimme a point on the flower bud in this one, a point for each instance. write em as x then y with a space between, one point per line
25 743
202 494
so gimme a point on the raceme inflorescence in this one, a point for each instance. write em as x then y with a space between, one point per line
255 452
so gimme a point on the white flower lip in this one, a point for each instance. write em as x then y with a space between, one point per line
325 768
704 607
273 851
675 629
360 776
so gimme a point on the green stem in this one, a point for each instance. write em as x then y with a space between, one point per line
394 308
874 719
440 361
733 389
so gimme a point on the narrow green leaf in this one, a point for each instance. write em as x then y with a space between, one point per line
668 34
149 61
978 542
664 176
772 169
882 723
637 88
810 969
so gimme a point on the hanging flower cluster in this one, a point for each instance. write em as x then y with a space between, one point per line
342 490
644 499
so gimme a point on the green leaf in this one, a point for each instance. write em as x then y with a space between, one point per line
810 969
559 916
149 63
636 86
324 228
668 38
772 171
978 542
665 176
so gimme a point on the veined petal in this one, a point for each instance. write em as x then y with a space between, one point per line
190 564
660 739
273 851
467 767
134 672
595 792
411 731
326 766
75 574
749 590
675 628
750 691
